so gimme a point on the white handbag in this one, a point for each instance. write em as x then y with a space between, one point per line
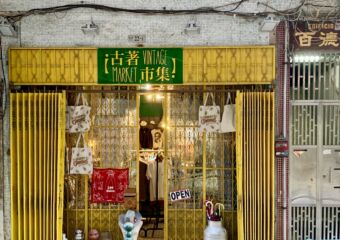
78 116
81 158
209 116
228 117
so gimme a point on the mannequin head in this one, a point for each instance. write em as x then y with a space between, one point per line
93 234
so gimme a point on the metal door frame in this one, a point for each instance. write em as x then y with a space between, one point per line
320 104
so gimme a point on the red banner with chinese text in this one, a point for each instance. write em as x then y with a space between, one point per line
109 185
314 35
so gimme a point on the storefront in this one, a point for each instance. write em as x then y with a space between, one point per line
144 106
315 134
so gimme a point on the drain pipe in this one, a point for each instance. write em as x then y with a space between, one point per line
284 168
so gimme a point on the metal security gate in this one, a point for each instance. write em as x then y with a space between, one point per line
255 165
315 171
315 148
113 138
204 163
37 165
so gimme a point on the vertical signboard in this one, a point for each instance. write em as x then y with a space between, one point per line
140 66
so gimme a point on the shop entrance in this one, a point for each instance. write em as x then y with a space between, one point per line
315 165
151 163
314 153
203 163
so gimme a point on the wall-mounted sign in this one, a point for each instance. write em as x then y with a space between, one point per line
317 35
281 148
138 38
140 66
180 195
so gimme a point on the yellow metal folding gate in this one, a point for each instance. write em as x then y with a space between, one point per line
208 164
203 163
37 165
255 165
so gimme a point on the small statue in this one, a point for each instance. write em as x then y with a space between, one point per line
130 224
79 235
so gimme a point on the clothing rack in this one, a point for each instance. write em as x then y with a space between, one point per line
151 150
158 216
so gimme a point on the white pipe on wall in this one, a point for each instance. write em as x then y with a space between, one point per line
284 170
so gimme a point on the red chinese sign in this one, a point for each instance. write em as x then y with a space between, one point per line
109 185
317 35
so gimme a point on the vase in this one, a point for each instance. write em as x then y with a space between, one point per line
215 231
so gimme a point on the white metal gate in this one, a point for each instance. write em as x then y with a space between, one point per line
315 171
315 148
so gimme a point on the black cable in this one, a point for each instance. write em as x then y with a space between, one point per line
288 11
201 10
4 93
67 7
238 5
227 5
319 5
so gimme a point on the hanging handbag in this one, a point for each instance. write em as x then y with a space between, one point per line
81 158
78 116
228 117
209 116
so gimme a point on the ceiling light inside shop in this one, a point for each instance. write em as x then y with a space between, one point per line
146 87
149 97
159 97
154 97
164 126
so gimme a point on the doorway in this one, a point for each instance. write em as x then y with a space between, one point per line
314 146
203 163
315 171
151 163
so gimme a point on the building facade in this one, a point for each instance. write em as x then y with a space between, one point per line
191 26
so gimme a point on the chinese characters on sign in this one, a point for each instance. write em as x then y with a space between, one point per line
321 35
140 65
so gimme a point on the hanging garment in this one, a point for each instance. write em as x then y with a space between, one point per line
143 182
109 185
145 137
153 176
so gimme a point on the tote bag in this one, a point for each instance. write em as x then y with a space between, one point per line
81 158
228 117
109 185
78 116
209 116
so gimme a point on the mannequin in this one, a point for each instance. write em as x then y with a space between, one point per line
130 224
93 234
